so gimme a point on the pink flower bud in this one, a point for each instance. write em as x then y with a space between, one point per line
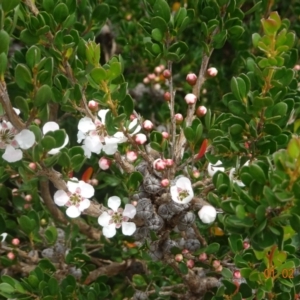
190 264
190 99
148 125
15 192
196 174
157 86
216 263
165 182
151 76
37 121
237 274
157 70
11 255
104 163
246 144
134 203
93 105
162 67
178 257
201 111
132 117
178 118
204 91
27 206
131 156
191 79
165 135
297 67
169 162
94 182
246 245
167 96
28 198
185 251
15 241
32 166
202 257
167 74
212 72
140 139
219 268
146 80
159 164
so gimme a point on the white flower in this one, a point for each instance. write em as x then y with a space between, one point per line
232 172
117 217
212 169
182 192
207 214
76 199
95 137
52 126
11 140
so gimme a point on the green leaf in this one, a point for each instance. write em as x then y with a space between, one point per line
3 64
157 35
59 136
114 70
138 280
101 13
51 160
5 41
160 23
219 39
128 105
134 180
234 85
155 146
161 9
43 95
235 32
183 268
235 242
212 248
48 142
51 234
261 102
6 288
22 76
179 17
33 56
189 134
60 13
9 5
98 74
293 148
48 5
26 224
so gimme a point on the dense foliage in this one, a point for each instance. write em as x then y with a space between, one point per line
149 149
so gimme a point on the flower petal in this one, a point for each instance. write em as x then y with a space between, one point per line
84 204
133 124
129 211
231 177
207 214
17 111
25 139
73 211
12 155
93 143
212 169
109 231
114 202
128 228
87 190
86 124
50 126
87 151
102 114
120 137
73 184
80 136
61 198
110 149
104 219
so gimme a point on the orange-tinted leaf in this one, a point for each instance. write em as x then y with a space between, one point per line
202 149
87 174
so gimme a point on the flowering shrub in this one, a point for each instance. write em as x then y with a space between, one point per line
176 123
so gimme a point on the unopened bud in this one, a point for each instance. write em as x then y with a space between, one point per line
32 166
202 257
151 76
11 255
246 245
191 79
27 206
104 163
297 67
28 198
169 162
157 86
185 251
219 268
167 74
190 99
146 80
201 111
140 139
165 182
43 222
165 135
159 164
94 182
37 121
237 274
167 96
15 242
162 67
157 70
93 105
131 156
216 263
178 257
190 264
15 192
178 118
148 125
134 203
196 174
212 72
132 117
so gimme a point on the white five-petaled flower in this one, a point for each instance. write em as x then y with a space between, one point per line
182 192
207 214
212 169
95 137
76 199
117 217
11 140
52 126
232 172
